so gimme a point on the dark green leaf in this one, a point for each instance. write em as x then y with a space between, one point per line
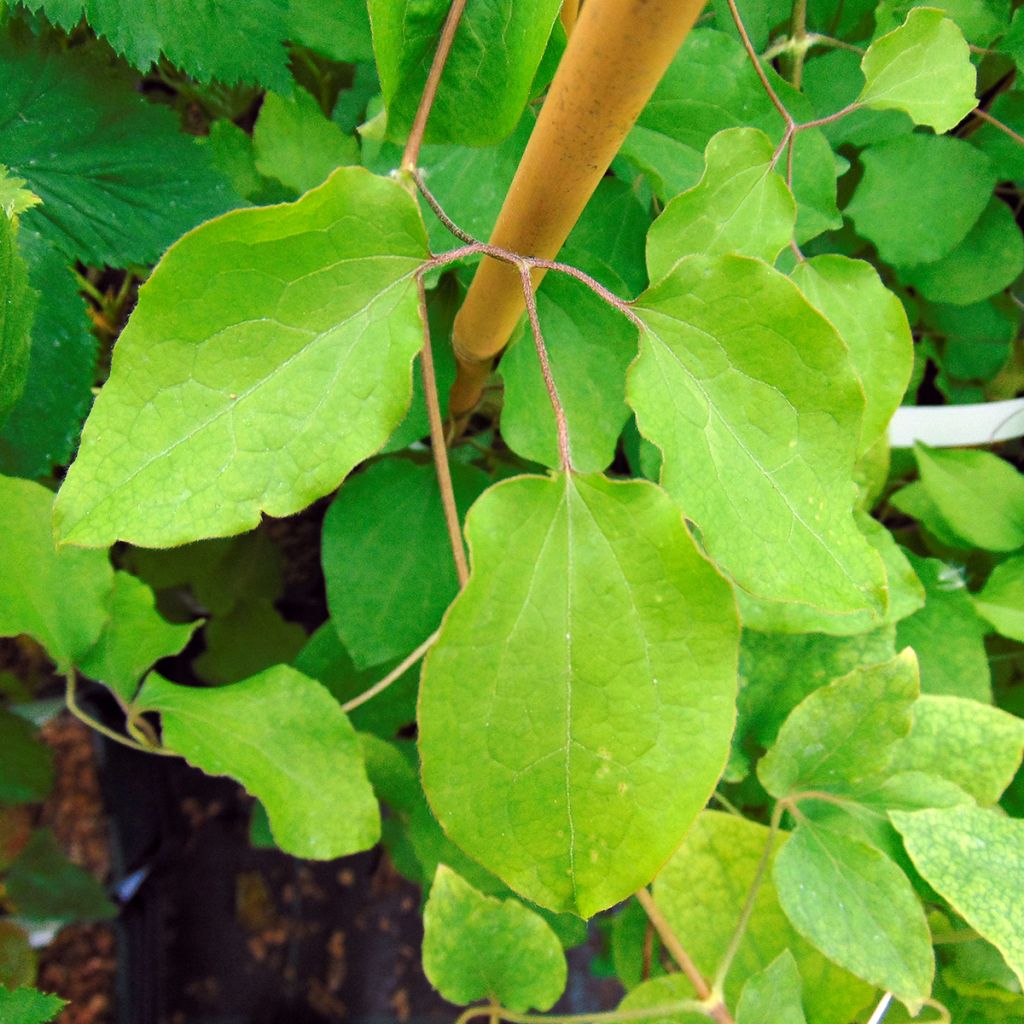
17 313
26 765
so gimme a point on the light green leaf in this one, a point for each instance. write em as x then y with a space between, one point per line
740 205
586 725
133 638
477 947
872 322
947 635
340 29
43 427
844 733
858 908
1001 600
296 144
702 891
972 744
60 598
382 615
44 886
777 671
751 397
590 346
919 197
17 313
773 995
979 495
924 68
496 52
667 165
209 40
915 502
26 765
285 738
979 20
974 858
14 197
28 1006
988 259
118 179
662 992
286 336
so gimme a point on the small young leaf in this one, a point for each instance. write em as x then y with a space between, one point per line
118 179
979 495
133 638
750 395
858 908
496 52
26 765
1001 600
920 195
44 886
60 598
702 891
972 744
270 353
773 995
14 197
28 1006
924 68
288 742
947 635
974 858
296 144
844 733
17 313
380 614
872 322
477 947
740 205
586 737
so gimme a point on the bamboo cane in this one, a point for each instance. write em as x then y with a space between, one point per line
617 54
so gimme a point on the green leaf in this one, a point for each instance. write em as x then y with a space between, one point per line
987 260
919 197
255 312
296 144
18 964
27 1006
1001 600
288 742
979 20
844 733
604 717
773 995
340 29
208 40
972 744
915 502
118 180
872 322
60 598
979 495
1005 152
740 205
665 991
947 635
702 891
748 390
133 638
477 947
44 886
858 908
378 615
14 197
974 858
42 429
923 68
26 765
17 313
777 671
590 346
496 52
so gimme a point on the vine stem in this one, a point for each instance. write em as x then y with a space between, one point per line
395 674
411 155
438 443
984 115
800 42
710 1003
71 699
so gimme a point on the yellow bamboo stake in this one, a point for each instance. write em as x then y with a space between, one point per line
617 54
569 13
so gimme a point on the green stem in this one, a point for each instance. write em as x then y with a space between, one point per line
71 699
800 41
396 673
603 1017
